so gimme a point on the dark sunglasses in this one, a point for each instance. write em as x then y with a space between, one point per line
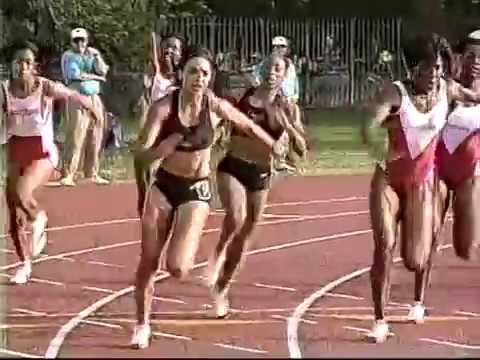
79 39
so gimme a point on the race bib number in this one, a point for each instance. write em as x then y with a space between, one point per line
202 189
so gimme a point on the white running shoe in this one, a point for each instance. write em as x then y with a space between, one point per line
68 181
96 179
380 332
417 313
23 273
39 237
221 305
141 336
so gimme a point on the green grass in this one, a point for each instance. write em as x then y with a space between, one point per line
335 147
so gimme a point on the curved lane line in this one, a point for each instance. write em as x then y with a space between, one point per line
57 342
292 325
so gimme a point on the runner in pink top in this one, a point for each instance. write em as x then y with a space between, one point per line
459 155
26 103
405 191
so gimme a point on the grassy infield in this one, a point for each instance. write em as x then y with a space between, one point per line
333 136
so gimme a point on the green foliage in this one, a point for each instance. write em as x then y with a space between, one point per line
120 29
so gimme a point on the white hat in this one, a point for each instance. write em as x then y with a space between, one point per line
474 35
79 33
279 41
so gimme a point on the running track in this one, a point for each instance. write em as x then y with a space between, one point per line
304 291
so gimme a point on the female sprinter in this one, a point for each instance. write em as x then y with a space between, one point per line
459 155
166 69
405 190
26 102
244 175
179 133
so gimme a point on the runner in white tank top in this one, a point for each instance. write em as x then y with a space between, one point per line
26 121
406 191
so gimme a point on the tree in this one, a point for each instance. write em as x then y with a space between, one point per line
119 28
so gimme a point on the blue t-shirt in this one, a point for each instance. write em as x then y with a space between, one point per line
290 86
73 65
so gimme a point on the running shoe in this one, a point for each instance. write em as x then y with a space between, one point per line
417 313
67 181
23 273
380 332
39 237
141 336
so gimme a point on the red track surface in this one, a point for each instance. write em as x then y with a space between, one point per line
272 284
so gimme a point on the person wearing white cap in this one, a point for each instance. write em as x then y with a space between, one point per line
290 86
459 155
83 69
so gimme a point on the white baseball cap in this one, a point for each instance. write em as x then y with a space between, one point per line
79 33
279 41
474 35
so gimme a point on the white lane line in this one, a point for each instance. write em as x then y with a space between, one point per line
102 324
468 313
106 264
171 336
285 216
61 258
135 219
207 231
57 341
96 289
292 327
86 224
241 348
451 343
344 296
72 253
319 201
405 305
274 287
89 322
40 281
306 321
29 312
19 354
362 330
157 298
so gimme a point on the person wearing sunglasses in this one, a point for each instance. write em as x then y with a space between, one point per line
83 70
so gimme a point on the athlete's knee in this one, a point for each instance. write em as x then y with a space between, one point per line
234 220
179 270
416 262
149 218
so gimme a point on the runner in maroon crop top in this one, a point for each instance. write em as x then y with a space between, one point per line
405 190
244 176
178 134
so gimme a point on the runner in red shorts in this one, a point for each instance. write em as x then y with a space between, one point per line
405 191
459 155
26 108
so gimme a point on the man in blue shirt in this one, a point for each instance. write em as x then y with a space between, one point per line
290 87
83 69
